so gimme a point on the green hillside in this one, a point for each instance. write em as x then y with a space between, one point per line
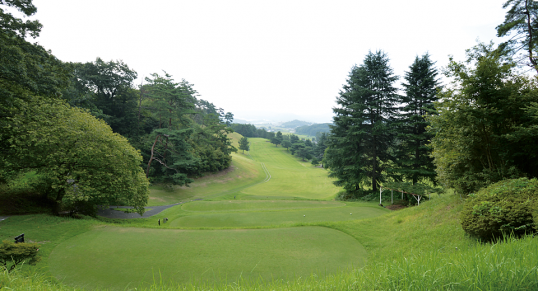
282 231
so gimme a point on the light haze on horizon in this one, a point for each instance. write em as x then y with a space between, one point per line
275 60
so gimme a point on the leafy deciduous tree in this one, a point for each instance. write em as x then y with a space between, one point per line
80 161
483 133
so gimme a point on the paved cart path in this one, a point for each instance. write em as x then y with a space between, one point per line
108 212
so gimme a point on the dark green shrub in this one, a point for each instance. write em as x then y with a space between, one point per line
507 207
13 254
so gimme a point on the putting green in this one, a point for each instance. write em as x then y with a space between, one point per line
277 218
120 258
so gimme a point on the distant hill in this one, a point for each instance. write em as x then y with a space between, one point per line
313 129
241 121
295 123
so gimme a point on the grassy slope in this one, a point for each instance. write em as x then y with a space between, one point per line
420 248
290 177
243 172
283 248
410 249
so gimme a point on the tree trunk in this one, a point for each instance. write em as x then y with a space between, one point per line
151 158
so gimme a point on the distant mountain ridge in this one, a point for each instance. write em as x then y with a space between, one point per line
295 123
313 129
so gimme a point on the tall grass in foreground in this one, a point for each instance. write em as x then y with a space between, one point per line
507 265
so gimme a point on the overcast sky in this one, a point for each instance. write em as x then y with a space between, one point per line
263 59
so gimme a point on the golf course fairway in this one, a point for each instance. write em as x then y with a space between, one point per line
267 217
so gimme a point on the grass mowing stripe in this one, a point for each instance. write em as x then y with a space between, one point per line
277 218
267 174
255 205
289 176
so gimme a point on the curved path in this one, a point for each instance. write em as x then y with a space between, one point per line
151 210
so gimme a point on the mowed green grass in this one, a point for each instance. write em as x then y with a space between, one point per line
242 205
119 258
243 172
277 213
265 218
289 176
277 218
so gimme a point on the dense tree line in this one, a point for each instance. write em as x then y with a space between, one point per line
250 130
93 137
79 160
179 135
479 129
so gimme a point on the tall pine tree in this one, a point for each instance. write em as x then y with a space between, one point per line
362 134
420 87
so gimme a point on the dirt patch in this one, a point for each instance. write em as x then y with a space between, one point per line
395 207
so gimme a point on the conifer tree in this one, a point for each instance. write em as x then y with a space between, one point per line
420 87
362 134
521 23
244 144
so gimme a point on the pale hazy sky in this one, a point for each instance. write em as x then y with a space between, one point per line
258 59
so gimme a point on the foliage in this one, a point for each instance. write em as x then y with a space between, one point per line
413 154
321 145
26 69
483 132
244 144
508 207
286 144
13 254
522 20
178 149
358 146
276 141
314 161
246 130
77 157
106 89
212 146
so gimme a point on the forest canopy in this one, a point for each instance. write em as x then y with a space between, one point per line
89 134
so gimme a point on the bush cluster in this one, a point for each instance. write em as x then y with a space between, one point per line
13 254
508 207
